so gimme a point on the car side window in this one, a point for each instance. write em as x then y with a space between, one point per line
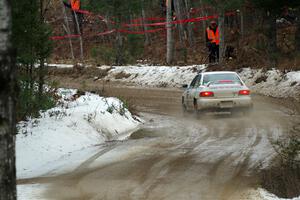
194 81
205 80
198 82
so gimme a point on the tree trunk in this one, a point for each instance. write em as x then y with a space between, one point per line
179 16
147 38
242 23
170 39
31 78
41 80
298 36
272 32
80 36
41 73
204 26
119 49
222 35
189 26
7 107
67 29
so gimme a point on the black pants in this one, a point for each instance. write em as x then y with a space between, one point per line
79 17
213 52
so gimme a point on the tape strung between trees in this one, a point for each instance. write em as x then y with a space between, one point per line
191 20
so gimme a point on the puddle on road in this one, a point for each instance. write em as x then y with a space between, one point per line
144 133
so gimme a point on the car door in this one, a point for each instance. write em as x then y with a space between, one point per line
191 90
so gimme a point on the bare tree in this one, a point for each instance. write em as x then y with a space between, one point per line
7 107
222 34
189 26
180 16
80 35
66 27
170 38
147 38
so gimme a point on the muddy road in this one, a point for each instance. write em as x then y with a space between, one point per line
174 156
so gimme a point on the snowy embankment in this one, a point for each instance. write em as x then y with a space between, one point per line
262 194
268 196
47 143
270 83
273 82
154 76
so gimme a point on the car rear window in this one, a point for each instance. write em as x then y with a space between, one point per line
221 79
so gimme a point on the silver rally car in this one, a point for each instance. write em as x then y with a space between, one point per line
217 91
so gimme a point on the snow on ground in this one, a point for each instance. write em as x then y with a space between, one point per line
273 82
31 191
262 194
268 196
155 76
270 83
45 144
60 65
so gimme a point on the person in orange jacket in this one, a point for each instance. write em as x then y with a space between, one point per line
75 5
213 41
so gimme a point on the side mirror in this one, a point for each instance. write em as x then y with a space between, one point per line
185 86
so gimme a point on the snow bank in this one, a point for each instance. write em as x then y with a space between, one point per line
270 83
31 191
261 194
273 82
73 125
60 65
268 196
155 76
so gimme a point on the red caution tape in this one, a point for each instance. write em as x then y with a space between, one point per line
85 12
142 32
198 19
107 32
136 21
148 19
136 24
77 36
64 37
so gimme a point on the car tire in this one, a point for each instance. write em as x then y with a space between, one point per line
196 111
184 110
183 107
247 111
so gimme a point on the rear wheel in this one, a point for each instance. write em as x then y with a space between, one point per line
247 111
196 110
242 112
184 109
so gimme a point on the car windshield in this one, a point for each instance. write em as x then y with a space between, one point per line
227 78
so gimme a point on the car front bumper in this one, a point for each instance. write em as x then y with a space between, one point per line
224 103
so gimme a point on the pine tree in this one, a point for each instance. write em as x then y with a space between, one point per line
30 38
30 33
